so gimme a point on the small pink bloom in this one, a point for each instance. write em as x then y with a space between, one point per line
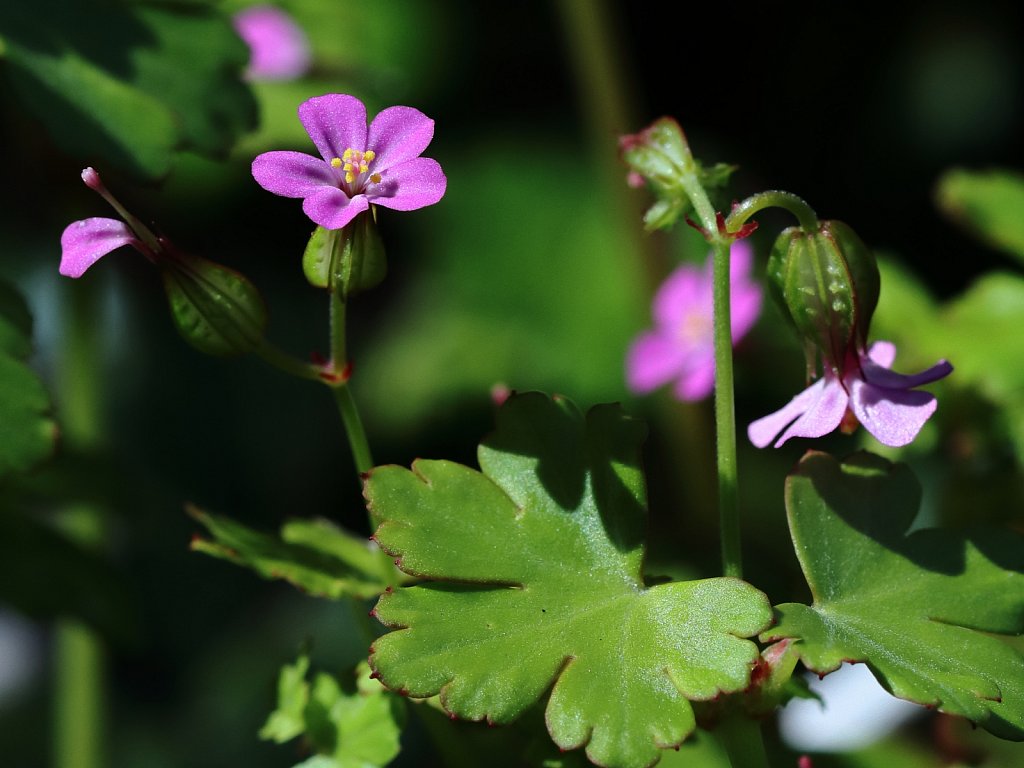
885 402
278 48
381 165
681 346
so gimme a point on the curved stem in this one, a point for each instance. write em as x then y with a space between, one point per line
772 199
725 418
274 356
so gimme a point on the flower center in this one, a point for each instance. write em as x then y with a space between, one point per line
695 328
356 166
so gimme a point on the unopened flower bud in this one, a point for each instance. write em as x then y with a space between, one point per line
827 281
347 260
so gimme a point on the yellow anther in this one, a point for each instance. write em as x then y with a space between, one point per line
347 155
363 167
375 178
335 162
348 166
368 155
349 178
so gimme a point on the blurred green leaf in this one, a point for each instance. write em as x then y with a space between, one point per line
917 608
27 433
129 83
989 203
348 727
314 555
534 569
526 275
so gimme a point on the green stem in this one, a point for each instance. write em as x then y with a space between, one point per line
339 356
274 356
79 692
742 741
725 418
772 199
353 428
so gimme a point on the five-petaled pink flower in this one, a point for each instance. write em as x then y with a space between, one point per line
681 347
381 165
278 48
884 401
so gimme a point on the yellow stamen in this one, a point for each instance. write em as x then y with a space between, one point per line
375 178
363 167
368 155
349 178
336 162
348 166
347 155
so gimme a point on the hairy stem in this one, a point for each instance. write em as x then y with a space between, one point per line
742 741
772 199
725 418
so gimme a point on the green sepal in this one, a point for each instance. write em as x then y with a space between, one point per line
534 584
827 284
315 556
349 260
923 610
217 310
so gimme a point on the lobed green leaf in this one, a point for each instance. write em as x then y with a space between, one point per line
921 609
535 568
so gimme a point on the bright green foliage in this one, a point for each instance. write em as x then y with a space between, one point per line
535 569
314 555
27 433
916 608
346 726
129 83
989 203
216 310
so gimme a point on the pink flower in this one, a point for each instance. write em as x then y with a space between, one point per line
278 48
381 165
885 402
680 348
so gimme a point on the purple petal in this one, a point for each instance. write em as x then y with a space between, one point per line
291 174
745 295
893 416
413 184
398 134
83 243
764 430
698 378
653 360
334 122
331 208
874 372
278 49
683 292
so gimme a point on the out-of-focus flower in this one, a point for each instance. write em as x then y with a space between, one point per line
885 402
278 48
680 347
381 165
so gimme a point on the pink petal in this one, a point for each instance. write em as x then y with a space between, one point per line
413 184
291 174
83 243
823 415
741 261
764 430
883 353
653 360
334 122
278 49
893 416
698 380
744 294
682 293
398 134
331 208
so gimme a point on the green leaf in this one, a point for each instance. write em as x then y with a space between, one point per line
535 569
27 433
129 83
918 607
987 202
314 555
351 726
